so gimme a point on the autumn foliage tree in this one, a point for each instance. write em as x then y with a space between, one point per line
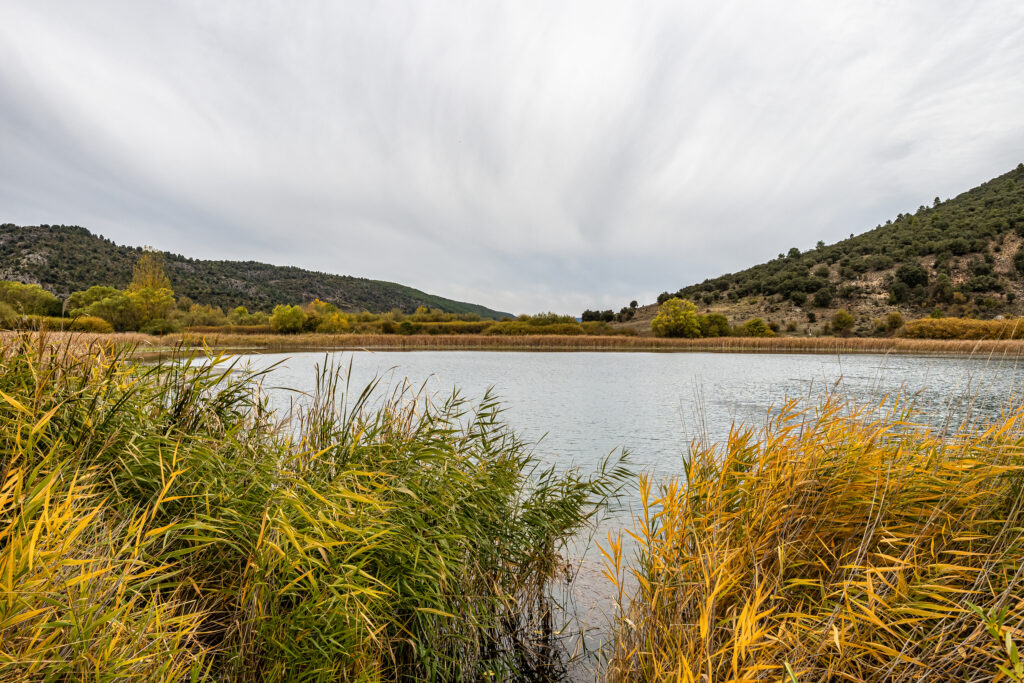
149 272
676 318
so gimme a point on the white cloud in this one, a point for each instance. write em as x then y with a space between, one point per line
524 155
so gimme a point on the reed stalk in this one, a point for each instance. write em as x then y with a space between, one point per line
162 523
839 544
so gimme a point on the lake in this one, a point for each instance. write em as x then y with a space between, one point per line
578 407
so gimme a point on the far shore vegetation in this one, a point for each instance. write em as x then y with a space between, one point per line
149 306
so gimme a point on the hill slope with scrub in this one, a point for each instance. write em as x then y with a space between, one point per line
963 257
63 259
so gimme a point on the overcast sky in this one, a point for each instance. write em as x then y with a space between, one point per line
523 155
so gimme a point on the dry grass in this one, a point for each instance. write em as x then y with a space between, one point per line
610 343
964 328
143 344
838 545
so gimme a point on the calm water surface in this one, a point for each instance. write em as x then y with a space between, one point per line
578 407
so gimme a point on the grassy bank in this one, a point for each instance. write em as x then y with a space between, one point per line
319 342
833 546
160 523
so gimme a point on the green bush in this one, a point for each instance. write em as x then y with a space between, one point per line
714 325
755 327
80 301
81 323
8 316
28 299
517 328
842 322
159 326
287 319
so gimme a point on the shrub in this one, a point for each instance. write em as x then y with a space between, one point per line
82 323
241 316
204 314
1018 259
823 298
964 328
8 316
714 325
518 328
676 318
159 326
335 323
842 322
28 299
755 327
912 275
88 323
287 319
80 301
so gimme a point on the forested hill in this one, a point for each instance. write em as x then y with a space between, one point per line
959 257
64 259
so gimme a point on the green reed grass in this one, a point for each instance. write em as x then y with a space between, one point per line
162 523
837 545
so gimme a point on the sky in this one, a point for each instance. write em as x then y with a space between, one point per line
525 155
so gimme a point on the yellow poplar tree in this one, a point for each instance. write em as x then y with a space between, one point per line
149 272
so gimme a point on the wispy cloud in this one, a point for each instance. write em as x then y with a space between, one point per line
525 155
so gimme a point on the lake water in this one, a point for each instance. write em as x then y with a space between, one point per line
578 407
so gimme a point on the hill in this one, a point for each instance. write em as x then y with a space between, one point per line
64 259
960 257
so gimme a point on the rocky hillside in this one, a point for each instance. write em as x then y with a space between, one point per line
64 259
960 257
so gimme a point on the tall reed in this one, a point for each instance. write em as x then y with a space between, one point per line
162 523
838 544
610 343
167 345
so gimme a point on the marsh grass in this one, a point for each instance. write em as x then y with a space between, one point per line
964 328
837 544
162 523
169 345
1012 348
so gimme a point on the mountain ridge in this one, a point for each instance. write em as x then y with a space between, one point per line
63 258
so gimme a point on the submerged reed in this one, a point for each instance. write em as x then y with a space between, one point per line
839 544
161 523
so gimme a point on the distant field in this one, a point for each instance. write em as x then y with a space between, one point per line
323 342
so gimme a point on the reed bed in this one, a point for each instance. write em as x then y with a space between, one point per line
143 344
610 343
964 328
838 544
161 523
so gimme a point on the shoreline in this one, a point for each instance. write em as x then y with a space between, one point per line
147 345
